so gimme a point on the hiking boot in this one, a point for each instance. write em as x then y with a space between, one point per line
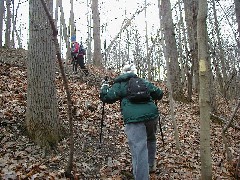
152 168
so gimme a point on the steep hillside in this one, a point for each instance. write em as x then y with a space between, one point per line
20 158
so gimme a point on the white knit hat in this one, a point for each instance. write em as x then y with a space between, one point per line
129 68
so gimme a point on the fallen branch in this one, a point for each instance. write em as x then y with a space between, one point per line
222 120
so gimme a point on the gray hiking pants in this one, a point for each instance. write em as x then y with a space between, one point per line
142 142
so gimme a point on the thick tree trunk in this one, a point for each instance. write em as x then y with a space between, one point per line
42 113
205 152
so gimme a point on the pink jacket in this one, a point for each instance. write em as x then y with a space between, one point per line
76 47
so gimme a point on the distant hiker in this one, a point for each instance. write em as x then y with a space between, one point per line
78 53
140 117
74 49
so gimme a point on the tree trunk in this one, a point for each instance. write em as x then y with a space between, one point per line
89 40
205 152
147 48
12 43
1 20
237 10
220 53
176 134
42 118
171 51
8 24
15 29
64 30
191 8
71 21
97 55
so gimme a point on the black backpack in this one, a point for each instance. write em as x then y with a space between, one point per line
81 50
137 91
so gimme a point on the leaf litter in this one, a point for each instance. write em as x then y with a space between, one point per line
20 158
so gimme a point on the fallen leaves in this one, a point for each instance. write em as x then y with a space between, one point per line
22 159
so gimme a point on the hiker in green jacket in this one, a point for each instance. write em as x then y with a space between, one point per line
140 121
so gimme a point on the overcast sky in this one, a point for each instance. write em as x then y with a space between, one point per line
112 13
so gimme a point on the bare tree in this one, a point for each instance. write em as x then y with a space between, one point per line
8 24
237 10
1 20
205 152
63 30
15 31
125 24
89 40
171 52
97 55
42 118
222 74
191 11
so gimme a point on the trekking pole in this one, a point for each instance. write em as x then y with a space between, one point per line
160 126
101 126
100 140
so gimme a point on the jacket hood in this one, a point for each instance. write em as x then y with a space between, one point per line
124 77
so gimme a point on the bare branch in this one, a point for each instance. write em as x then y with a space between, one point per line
125 24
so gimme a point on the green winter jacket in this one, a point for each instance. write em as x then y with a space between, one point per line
132 112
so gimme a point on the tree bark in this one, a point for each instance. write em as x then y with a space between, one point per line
65 82
64 30
237 10
1 20
8 24
97 55
204 98
220 54
89 40
191 11
171 52
42 118
15 29
176 134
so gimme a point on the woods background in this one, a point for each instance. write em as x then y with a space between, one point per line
192 48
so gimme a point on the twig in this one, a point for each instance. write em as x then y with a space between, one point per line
222 120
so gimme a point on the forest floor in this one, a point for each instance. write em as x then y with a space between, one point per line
20 158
